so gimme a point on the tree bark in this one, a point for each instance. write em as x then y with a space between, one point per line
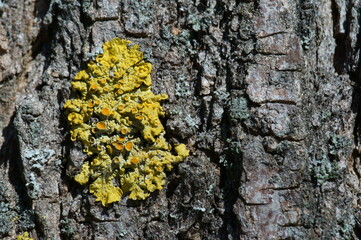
265 94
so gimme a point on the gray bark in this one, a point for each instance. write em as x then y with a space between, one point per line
264 93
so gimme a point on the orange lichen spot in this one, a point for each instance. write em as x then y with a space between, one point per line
101 125
120 107
124 131
134 110
120 139
129 146
105 111
93 87
120 92
139 117
103 81
134 160
118 146
90 104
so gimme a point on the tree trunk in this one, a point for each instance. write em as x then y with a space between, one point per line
265 94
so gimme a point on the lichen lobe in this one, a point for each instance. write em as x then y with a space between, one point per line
116 117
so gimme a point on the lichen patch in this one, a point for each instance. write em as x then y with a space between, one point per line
116 117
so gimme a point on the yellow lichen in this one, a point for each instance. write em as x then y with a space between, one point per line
24 236
116 117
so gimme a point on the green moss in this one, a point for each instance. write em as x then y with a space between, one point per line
116 117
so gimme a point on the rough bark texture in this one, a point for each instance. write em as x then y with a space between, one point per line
264 93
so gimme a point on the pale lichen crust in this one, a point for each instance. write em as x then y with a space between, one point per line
116 117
